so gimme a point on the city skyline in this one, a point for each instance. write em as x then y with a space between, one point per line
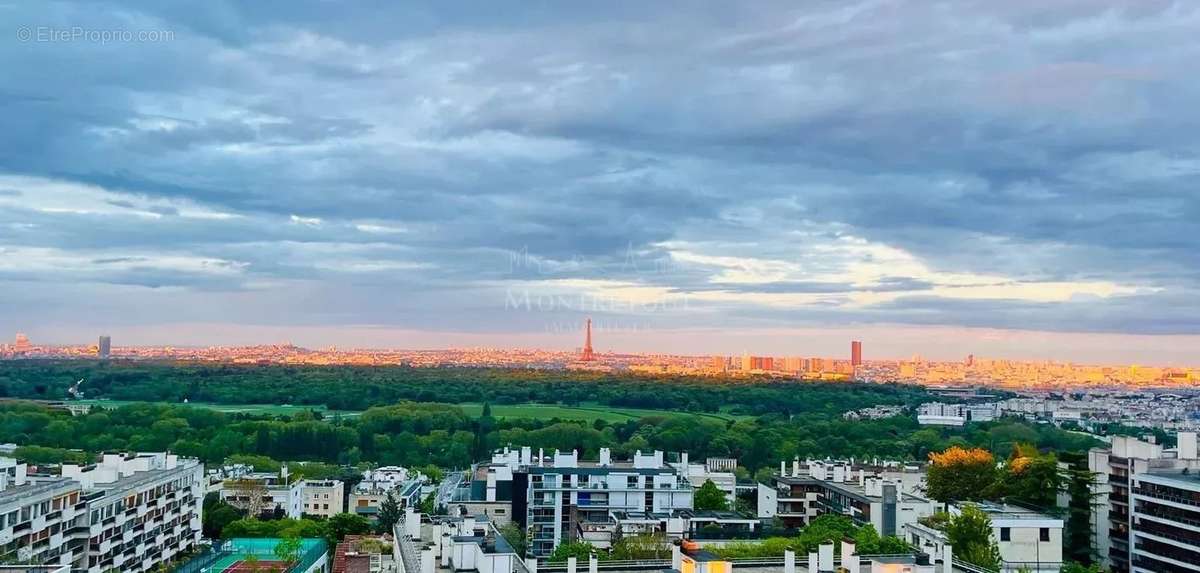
1012 180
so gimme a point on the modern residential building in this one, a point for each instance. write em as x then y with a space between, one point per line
325 498
883 493
1028 540
569 500
1165 525
104 348
720 471
265 493
125 513
1116 469
940 414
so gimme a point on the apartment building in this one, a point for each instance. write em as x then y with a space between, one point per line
143 509
570 500
325 498
1165 525
41 521
125 513
1116 469
1029 541
265 493
883 494
720 471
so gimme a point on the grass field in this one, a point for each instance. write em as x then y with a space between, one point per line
273 409
586 412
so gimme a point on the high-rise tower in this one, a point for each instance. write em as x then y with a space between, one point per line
588 356
104 348
856 353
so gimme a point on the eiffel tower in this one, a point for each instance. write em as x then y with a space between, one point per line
588 356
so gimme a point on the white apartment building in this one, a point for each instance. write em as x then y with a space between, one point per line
126 513
568 500
885 494
939 414
1028 540
1165 530
718 470
325 498
143 509
1117 469
265 492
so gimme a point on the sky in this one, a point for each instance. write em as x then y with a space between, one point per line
1012 179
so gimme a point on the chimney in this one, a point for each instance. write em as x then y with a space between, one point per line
468 526
676 556
683 461
593 563
541 456
531 564
796 467
526 455
825 556
789 561
813 562
571 562
427 559
947 559
849 556
605 457
1187 445
446 541
782 468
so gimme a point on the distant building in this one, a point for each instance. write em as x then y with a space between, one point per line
855 353
21 343
104 348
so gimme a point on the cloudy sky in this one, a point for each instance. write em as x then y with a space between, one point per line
1005 178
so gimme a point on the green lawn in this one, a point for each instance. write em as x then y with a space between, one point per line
273 409
586 412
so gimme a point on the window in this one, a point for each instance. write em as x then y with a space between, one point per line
1045 534
1005 534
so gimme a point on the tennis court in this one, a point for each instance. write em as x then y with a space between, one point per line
239 564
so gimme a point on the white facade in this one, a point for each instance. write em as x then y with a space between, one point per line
1117 469
268 492
1165 530
570 497
126 513
323 497
1028 541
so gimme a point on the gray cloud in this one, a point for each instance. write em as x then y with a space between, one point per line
418 147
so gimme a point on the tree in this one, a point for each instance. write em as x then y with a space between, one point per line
389 514
709 496
1031 478
970 533
248 494
217 514
344 524
959 474
577 549
288 549
515 537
